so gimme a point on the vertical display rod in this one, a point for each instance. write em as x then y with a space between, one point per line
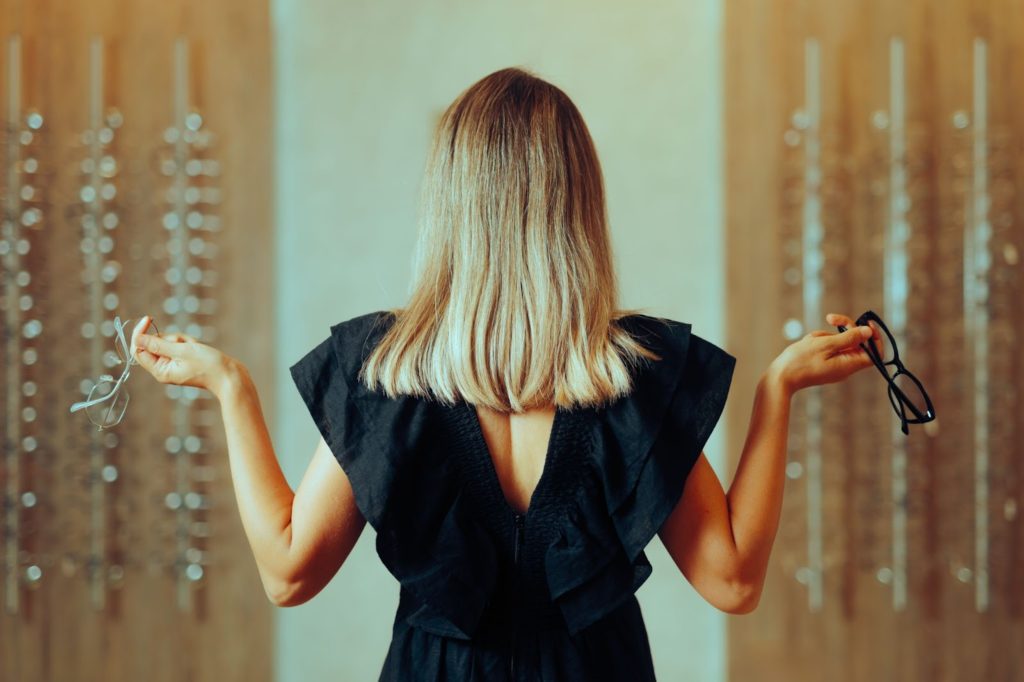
813 264
977 256
179 261
896 292
97 492
12 265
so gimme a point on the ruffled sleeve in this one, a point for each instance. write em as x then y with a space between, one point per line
403 485
326 380
644 447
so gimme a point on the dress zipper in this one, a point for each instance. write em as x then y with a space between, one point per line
519 536
519 519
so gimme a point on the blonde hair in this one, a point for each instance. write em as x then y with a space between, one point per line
513 304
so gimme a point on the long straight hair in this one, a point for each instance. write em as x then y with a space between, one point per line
514 297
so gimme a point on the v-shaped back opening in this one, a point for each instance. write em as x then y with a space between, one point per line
482 449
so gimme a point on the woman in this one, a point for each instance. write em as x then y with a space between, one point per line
514 439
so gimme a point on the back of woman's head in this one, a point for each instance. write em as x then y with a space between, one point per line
514 297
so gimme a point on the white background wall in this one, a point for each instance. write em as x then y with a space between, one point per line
358 86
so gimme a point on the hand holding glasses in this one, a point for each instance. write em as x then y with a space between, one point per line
107 401
905 391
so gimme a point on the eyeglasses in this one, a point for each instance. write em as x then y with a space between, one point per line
107 401
905 391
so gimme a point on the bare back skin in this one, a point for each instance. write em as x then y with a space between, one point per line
517 444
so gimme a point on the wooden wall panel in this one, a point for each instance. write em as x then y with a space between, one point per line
142 630
922 617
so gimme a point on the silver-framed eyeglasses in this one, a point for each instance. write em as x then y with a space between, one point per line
107 401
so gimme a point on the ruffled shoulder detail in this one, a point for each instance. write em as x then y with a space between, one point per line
427 536
326 378
643 448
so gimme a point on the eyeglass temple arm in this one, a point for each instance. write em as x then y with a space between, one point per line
119 328
75 407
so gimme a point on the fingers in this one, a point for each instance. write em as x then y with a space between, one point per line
836 320
850 361
146 359
850 338
157 345
140 328
148 362
876 332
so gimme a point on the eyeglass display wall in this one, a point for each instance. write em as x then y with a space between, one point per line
874 151
136 177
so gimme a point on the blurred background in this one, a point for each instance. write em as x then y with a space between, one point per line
248 172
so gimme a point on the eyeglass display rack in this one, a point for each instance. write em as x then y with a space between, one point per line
99 539
985 199
112 527
99 222
892 531
23 218
191 222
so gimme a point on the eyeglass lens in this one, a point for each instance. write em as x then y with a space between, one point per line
109 412
883 350
110 408
882 347
912 393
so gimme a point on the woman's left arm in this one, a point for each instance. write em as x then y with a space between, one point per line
721 541
299 538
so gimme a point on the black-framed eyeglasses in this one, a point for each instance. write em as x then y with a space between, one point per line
905 391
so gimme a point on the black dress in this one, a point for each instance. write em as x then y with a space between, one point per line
487 593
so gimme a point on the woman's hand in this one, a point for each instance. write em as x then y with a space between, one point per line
823 357
180 359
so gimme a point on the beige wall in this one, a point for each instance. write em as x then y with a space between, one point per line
358 85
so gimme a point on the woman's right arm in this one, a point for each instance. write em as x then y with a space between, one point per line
300 539
721 541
